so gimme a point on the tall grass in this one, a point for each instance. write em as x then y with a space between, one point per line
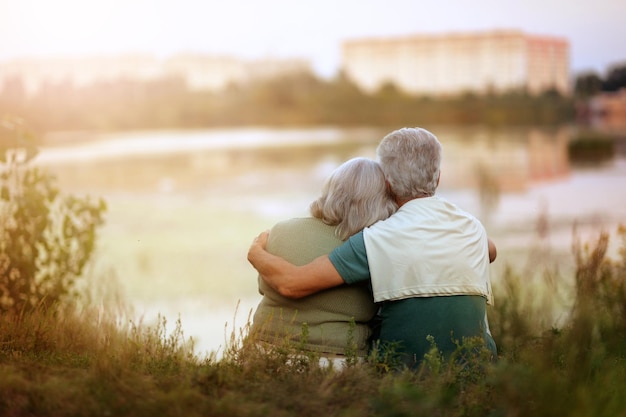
90 361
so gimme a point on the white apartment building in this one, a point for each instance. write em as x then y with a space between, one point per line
78 71
212 73
200 72
455 63
206 72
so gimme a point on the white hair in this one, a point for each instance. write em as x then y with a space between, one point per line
411 161
353 197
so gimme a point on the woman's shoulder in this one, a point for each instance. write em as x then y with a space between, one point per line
300 223
302 239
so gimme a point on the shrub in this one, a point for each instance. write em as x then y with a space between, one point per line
591 148
46 238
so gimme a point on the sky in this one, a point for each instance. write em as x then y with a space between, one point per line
310 29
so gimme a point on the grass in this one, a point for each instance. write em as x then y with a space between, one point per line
88 360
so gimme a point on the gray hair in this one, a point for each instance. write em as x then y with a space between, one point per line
353 197
411 161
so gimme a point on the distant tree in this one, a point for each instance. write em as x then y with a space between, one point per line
342 86
616 78
389 90
551 93
587 85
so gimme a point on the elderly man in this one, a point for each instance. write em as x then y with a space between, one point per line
428 263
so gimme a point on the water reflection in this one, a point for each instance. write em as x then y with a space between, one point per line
474 158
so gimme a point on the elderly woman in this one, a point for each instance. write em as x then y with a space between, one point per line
334 321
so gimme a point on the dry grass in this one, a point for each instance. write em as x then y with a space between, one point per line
89 361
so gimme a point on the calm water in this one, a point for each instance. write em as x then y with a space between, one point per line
184 206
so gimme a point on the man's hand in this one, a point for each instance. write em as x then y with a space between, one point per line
493 252
258 244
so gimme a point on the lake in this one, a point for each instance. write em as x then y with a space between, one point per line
183 206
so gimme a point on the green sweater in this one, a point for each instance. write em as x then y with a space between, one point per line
406 323
334 319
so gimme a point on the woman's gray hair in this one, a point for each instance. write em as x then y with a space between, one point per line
353 197
411 161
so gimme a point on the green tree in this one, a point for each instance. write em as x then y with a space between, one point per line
46 239
615 79
587 85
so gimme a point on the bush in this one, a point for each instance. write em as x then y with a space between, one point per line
591 148
46 239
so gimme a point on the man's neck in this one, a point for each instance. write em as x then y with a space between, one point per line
401 202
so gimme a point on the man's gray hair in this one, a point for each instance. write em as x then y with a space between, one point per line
411 161
353 197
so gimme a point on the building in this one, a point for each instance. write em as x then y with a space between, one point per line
457 63
607 111
200 72
206 72
34 73
212 73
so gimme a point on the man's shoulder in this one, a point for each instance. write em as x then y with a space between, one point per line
350 259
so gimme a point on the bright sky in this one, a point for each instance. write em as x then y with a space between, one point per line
312 29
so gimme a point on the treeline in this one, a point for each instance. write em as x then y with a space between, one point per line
591 83
298 100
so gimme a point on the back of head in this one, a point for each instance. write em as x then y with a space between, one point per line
411 161
353 197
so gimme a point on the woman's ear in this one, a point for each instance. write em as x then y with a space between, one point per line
391 194
388 186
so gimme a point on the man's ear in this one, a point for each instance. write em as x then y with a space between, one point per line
438 178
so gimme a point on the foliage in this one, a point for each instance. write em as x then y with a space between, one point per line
590 83
295 100
587 85
591 147
46 239
615 78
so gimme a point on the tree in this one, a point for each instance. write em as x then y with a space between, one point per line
615 79
587 85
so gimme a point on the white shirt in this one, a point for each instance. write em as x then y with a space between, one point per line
428 248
